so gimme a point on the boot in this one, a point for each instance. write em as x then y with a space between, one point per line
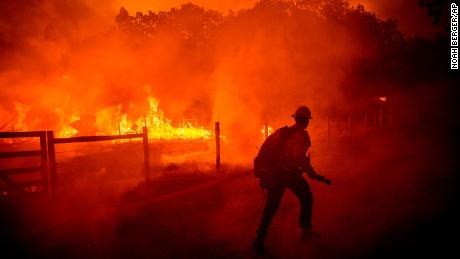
308 234
259 246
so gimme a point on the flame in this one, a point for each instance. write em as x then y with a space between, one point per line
21 113
162 128
113 121
269 131
65 130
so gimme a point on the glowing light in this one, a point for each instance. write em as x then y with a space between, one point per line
269 131
21 111
64 129
113 121
162 128
33 188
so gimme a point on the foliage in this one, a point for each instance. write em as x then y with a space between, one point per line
380 57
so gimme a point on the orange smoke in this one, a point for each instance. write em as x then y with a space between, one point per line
146 5
73 67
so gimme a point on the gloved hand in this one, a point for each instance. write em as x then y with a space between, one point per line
327 181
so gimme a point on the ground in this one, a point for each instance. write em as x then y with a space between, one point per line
386 199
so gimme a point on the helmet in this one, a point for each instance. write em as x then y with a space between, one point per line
302 112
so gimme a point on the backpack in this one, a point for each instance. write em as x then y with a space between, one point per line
271 152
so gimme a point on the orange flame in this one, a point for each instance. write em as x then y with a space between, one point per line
269 131
112 121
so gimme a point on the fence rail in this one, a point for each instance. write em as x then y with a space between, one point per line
20 154
95 138
42 168
21 134
47 153
22 170
52 142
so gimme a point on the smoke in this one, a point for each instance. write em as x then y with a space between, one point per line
221 5
52 51
41 43
413 19
64 60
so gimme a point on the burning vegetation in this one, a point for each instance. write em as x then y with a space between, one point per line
68 67
113 121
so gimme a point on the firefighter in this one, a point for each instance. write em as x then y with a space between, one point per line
280 163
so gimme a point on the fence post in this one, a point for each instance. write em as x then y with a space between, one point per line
44 162
217 131
145 140
52 162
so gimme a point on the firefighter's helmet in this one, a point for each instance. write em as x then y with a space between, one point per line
302 112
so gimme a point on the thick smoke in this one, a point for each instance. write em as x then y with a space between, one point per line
44 45
64 60
221 5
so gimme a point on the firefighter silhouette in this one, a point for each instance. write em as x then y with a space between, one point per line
279 166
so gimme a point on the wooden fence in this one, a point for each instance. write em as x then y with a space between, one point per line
42 168
47 152
52 141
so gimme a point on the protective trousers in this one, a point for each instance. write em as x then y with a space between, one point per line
275 190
